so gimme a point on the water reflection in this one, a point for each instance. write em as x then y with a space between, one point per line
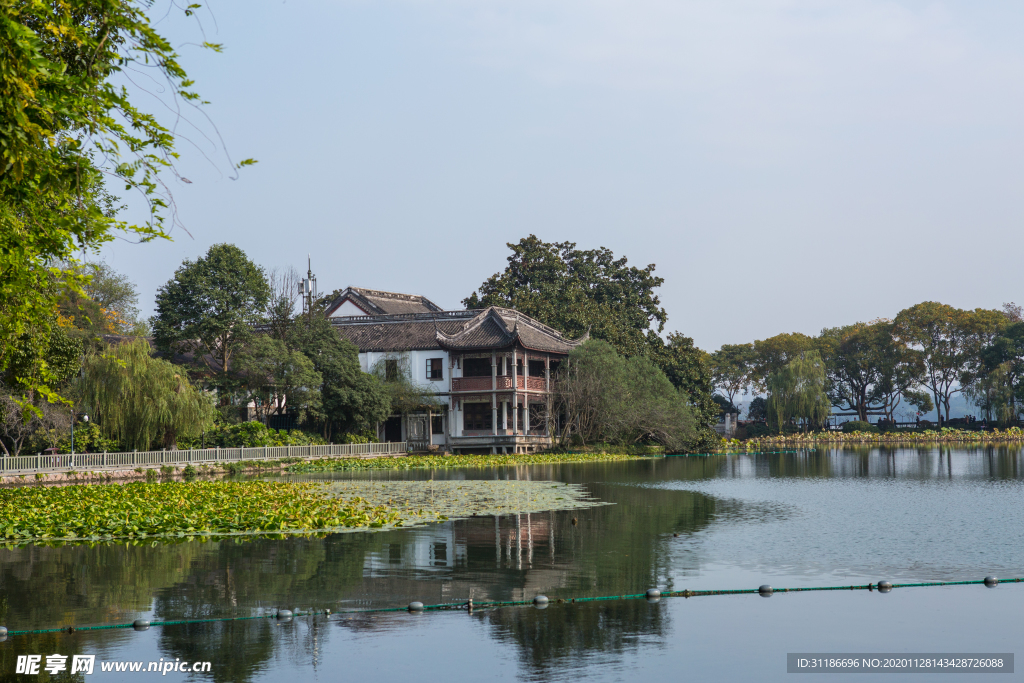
950 511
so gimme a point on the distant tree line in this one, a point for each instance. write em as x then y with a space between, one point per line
915 363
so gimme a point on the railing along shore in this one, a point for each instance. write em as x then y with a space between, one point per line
65 462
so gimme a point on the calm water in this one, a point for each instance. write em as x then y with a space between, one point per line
801 519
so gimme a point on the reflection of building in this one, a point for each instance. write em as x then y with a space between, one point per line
491 369
522 546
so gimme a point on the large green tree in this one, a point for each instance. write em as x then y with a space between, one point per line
210 309
142 401
689 370
351 401
604 396
999 385
65 127
950 341
731 367
276 378
774 353
576 291
797 391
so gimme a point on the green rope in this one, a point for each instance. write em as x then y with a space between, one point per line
491 604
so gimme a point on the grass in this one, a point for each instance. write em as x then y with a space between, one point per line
449 461
140 510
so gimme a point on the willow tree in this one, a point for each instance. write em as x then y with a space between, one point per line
797 390
140 400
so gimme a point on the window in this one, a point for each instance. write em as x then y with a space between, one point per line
476 417
476 367
391 370
437 424
434 370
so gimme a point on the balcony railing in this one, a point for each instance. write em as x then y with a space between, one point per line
471 384
502 383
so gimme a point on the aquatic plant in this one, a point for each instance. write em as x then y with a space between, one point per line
139 510
447 461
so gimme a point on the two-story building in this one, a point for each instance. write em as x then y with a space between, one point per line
491 370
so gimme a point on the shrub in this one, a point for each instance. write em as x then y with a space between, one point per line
859 426
189 472
251 434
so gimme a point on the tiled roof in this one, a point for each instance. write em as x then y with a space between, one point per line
376 302
491 328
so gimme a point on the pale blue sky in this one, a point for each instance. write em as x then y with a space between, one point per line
788 165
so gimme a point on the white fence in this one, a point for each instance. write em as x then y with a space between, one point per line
86 462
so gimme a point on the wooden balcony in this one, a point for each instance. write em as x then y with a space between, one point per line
502 383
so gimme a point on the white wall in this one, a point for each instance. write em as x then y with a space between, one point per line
417 368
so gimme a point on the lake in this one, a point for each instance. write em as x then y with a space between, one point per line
791 519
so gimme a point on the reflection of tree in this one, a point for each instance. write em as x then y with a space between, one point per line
237 649
574 630
69 585
306 573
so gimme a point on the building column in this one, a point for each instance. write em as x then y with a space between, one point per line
494 396
515 394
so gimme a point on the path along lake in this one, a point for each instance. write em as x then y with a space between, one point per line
794 519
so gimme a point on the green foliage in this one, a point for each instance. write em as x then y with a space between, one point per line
859 426
209 309
576 291
999 386
107 303
773 354
54 357
269 374
89 438
758 409
140 400
351 401
605 397
798 391
689 370
731 368
139 510
951 342
451 461
250 435
405 395
66 125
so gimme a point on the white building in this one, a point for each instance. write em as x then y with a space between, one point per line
490 369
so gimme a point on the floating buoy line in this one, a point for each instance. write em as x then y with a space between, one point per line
539 601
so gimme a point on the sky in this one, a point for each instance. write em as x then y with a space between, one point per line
788 165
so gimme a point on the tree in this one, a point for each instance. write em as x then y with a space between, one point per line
66 126
576 291
210 307
271 374
774 353
950 340
853 362
798 391
107 302
689 370
999 386
758 409
731 366
140 400
606 397
351 401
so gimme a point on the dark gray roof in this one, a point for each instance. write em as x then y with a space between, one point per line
491 328
375 302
